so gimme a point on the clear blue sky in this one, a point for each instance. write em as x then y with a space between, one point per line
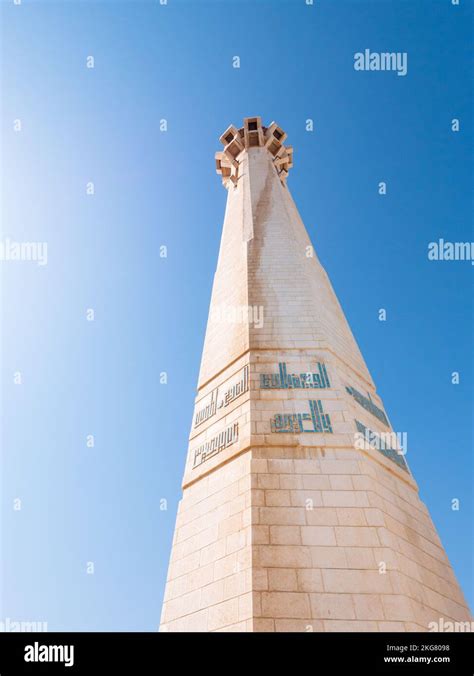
102 504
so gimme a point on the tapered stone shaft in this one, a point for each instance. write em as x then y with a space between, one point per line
299 511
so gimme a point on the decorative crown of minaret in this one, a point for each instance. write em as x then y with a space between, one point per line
252 135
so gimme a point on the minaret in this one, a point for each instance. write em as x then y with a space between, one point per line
299 511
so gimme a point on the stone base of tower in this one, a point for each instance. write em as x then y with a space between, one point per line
301 539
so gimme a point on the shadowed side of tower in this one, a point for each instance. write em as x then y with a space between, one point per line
297 513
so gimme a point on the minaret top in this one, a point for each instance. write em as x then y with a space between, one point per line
252 135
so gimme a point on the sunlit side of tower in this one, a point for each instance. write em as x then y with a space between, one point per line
299 511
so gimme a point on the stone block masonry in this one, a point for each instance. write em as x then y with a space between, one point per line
285 523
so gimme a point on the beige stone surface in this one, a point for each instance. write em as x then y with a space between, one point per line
291 530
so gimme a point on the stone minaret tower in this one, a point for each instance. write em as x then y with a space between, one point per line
299 512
